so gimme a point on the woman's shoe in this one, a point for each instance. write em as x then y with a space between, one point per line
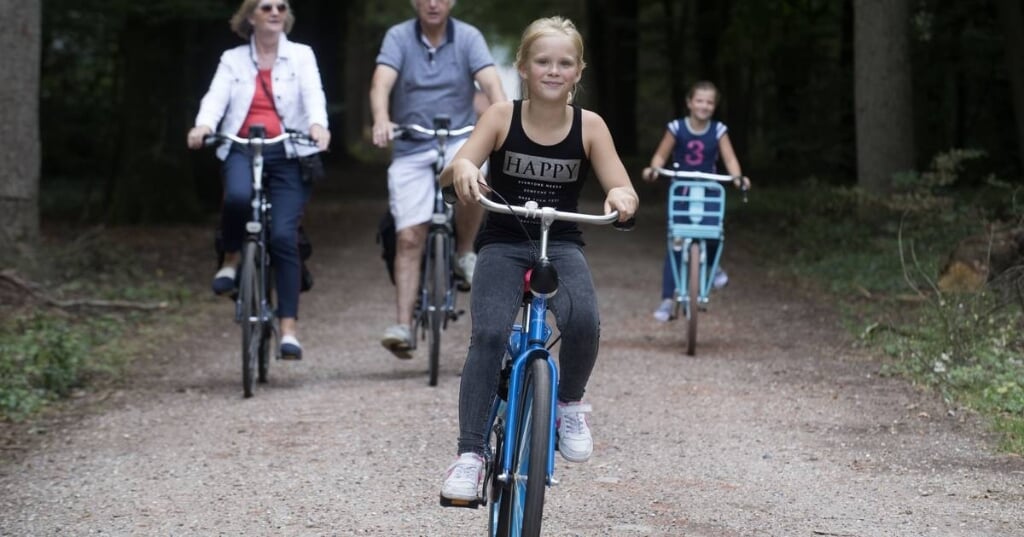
290 348
224 281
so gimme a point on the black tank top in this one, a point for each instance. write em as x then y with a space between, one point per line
523 170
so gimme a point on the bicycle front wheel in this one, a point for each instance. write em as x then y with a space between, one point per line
249 316
437 279
693 290
266 330
522 500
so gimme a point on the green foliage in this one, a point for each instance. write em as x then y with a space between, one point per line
44 357
882 256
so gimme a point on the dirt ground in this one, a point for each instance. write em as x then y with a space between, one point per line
780 426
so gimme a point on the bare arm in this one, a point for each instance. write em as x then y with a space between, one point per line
383 81
619 192
659 157
464 170
732 164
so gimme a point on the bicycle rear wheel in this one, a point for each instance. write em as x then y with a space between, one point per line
521 504
437 279
249 315
693 290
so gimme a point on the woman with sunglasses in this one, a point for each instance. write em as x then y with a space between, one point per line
276 83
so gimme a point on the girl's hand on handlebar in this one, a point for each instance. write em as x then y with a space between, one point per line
321 136
466 179
194 139
649 174
742 183
622 199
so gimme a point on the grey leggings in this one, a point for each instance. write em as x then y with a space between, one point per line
495 303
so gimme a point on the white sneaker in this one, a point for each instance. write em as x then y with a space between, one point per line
721 279
465 265
664 311
462 479
574 440
398 340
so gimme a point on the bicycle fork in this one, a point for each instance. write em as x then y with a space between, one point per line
526 347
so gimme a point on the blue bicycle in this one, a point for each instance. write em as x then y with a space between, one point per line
696 210
520 457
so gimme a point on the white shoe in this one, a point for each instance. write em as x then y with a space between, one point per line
465 265
721 279
664 311
462 479
574 440
398 340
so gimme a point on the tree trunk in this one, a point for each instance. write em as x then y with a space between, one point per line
1011 14
882 92
19 130
613 57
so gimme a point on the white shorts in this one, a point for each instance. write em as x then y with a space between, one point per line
411 185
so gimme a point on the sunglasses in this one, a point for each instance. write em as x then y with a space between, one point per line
267 8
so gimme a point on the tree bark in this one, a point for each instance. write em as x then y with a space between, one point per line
882 92
613 57
1011 15
19 130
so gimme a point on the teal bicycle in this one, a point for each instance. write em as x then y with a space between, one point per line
520 456
696 210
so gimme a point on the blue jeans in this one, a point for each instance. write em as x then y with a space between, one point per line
288 195
494 303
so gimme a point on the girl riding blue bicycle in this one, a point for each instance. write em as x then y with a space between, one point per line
695 143
540 149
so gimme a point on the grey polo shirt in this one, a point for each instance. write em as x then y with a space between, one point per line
432 81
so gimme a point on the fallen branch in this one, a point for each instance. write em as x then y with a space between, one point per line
12 278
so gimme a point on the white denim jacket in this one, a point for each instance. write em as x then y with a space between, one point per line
298 92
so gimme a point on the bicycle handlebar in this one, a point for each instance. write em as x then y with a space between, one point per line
532 210
697 175
402 130
215 138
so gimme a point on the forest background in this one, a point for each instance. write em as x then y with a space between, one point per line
878 133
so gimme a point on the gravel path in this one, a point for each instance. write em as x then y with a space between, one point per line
779 427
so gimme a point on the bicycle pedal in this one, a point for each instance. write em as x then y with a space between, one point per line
465 504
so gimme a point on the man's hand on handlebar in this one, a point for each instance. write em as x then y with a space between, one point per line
383 133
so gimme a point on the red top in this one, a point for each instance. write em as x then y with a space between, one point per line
262 109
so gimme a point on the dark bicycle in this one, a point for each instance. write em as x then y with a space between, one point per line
254 301
437 296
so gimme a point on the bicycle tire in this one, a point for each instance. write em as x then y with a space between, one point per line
267 331
249 316
693 290
523 505
438 282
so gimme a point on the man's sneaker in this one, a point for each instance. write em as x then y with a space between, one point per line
464 267
721 278
574 440
463 478
398 340
664 311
